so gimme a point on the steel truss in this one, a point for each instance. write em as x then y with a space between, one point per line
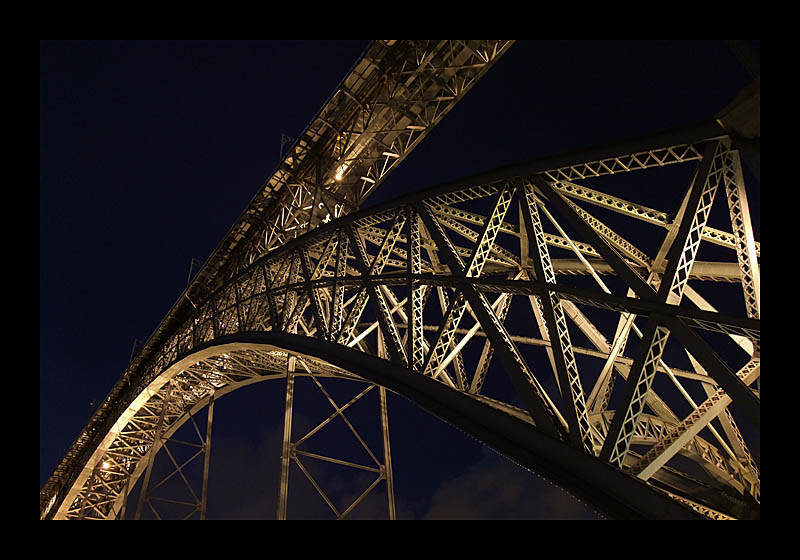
198 504
424 294
393 96
291 449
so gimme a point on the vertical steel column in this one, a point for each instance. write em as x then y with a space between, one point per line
387 454
287 438
207 459
153 451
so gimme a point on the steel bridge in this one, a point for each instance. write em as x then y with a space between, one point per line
527 267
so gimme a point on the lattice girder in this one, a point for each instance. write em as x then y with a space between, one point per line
390 100
396 255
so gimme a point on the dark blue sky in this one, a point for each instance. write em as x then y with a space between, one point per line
149 151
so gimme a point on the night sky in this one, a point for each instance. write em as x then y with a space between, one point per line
149 151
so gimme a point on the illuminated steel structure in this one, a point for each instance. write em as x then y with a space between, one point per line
422 295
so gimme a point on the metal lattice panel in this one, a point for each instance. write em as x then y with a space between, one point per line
416 286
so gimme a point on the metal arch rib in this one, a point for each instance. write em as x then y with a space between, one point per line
207 308
508 432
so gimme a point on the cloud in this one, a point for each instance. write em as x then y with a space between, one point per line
496 488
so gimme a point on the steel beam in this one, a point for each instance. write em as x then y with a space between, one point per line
207 459
287 451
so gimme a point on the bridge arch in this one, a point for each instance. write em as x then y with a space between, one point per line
505 428
397 256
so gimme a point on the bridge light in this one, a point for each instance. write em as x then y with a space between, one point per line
340 172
